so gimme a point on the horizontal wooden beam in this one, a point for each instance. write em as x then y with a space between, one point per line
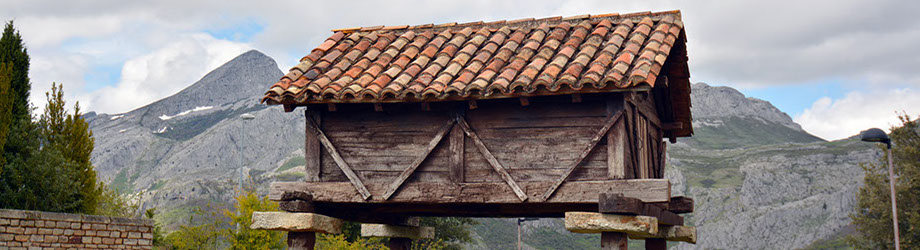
589 222
672 233
677 205
647 190
383 230
296 222
609 203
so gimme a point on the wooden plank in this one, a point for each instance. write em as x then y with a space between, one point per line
378 107
473 105
576 98
301 240
614 241
597 138
312 149
296 206
492 161
418 161
331 107
524 101
678 205
662 158
616 142
656 244
457 144
648 190
359 186
617 204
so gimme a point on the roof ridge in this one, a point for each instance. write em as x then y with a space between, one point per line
577 18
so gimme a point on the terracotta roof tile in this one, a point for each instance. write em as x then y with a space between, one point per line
479 59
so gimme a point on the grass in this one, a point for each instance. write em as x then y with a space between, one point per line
291 163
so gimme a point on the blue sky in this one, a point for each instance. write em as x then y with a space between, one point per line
835 67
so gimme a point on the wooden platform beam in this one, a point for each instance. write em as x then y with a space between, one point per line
586 192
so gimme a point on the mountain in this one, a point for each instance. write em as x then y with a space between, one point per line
759 180
186 149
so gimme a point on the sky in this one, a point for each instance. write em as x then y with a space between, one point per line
836 67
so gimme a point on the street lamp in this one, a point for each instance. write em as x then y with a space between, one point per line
244 117
877 135
519 221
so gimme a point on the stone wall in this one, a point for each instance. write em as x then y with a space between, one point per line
33 229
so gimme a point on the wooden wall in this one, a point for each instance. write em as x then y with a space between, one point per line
536 142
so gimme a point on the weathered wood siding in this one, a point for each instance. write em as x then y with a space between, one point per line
536 142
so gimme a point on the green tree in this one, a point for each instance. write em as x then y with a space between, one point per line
872 217
14 53
245 238
6 114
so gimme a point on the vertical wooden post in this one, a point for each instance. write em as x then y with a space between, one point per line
614 241
457 148
616 140
656 244
642 143
312 152
400 244
301 240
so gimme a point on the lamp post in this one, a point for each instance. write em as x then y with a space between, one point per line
239 182
519 221
877 135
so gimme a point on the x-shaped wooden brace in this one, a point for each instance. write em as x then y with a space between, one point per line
584 153
338 159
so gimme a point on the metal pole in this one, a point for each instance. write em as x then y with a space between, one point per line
894 199
519 233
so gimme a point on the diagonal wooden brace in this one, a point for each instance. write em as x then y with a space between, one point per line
338 159
584 153
418 161
491 159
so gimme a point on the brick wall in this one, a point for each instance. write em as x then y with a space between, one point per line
33 229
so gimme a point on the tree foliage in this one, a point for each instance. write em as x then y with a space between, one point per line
243 237
872 217
6 114
213 228
14 53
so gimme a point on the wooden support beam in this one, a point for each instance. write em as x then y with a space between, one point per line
338 159
289 107
426 106
614 241
524 101
473 105
418 160
378 107
312 149
656 244
589 222
584 153
612 203
457 151
672 233
330 107
677 205
301 240
672 126
296 222
647 190
392 231
576 98
616 141
491 158
296 206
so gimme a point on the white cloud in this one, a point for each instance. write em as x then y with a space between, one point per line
859 110
163 72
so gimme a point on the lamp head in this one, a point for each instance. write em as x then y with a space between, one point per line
875 135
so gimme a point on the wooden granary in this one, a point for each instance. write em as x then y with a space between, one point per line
531 117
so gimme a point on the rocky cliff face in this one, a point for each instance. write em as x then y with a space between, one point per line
758 179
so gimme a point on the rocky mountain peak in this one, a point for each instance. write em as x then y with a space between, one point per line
720 102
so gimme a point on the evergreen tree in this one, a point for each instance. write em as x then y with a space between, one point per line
872 217
14 53
6 115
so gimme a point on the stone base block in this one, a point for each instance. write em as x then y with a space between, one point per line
296 222
383 230
590 222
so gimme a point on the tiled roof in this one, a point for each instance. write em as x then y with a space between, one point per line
526 57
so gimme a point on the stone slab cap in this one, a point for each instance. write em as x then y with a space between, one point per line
591 222
383 230
673 233
296 222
